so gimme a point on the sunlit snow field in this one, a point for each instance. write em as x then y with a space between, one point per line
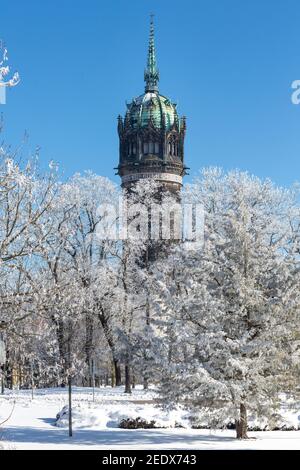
33 423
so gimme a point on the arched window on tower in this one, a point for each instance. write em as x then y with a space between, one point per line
173 146
151 148
146 148
131 148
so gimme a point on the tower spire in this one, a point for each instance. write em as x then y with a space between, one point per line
151 75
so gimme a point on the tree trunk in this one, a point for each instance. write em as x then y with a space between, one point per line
112 375
9 376
133 380
111 343
89 334
241 424
146 383
118 376
2 381
146 358
127 378
61 340
106 380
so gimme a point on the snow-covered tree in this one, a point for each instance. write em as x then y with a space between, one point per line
231 306
25 197
72 256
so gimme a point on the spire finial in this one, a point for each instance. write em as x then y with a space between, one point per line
151 75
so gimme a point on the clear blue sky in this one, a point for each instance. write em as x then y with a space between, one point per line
229 65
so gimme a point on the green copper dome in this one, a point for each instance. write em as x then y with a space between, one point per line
152 107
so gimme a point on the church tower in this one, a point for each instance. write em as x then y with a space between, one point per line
151 134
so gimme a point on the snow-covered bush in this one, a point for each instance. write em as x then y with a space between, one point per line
137 423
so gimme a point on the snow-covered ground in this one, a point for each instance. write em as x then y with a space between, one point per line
33 424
